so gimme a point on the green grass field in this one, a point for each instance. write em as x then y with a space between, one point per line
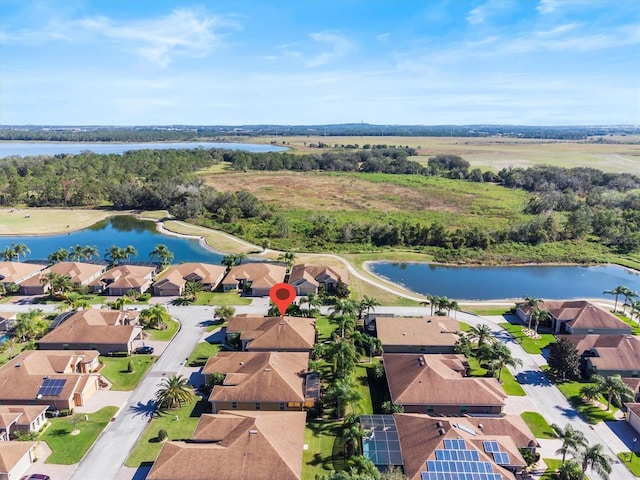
202 352
148 447
631 461
163 335
221 299
530 345
538 425
592 413
68 449
115 370
320 459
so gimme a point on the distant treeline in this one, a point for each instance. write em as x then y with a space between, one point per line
569 204
188 132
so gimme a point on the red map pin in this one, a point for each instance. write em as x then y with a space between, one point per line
282 294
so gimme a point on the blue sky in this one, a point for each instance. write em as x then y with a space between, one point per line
234 62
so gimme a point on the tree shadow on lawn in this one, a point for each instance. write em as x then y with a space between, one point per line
148 410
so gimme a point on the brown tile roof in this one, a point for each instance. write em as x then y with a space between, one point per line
205 273
93 326
634 407
262 275
433 330
420 436
615 352
79 272
580 314
311 273
259 376
22 376
12 452
125 276
16 272
249 445
438 380
25 413
274 333
633 383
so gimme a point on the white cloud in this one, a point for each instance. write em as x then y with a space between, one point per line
338 47
481 13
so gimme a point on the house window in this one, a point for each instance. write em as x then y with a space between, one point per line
282 405
94 346
257 405
464 408
65 346
234 405
430 409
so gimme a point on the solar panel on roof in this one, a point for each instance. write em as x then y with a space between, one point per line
501 458
51 387
490 446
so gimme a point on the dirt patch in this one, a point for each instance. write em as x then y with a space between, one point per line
332 192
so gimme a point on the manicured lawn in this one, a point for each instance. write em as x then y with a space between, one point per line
592 413
530 345
510 385
324 328
68 449
538 425
12 351
475 370
221 299
488 311
631 461
552 466
163 335
360 378
202 352
319 459
115 370
635 329
148 448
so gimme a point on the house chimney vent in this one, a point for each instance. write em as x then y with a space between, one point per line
439 424
441 431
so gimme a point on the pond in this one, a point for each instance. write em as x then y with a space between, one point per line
24 149
121 230
513 282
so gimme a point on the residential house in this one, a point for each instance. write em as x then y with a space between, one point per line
15 459
233 444
426 446
7 319
578 317
25 418
436 384
119 280
79 273
15 273
267 334
173 281
256 279
259 381
633 416
417 334
92 329
608 354
61 379
306 279
633 384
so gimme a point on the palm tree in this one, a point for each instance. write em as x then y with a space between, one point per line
635 309
120 302
20 249
313 301
233 259
569 471
58 283
174 392
128 252
352 433
344 357
90 251
60 255
156 315
452 305
482 332
75 301
611 387
498 355
532 303
288 258
572 439
343 312
30 325
342 392
366 305
224 312
593 458
164 255
628 295
191 290
8 254
428 301
76 253
540 316
114 254
619 290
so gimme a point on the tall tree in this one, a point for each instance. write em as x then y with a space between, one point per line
128 252
343 356
288 258
30 325
539 316
594 459
20 249
564 359
611 387
343 312
499 356
628 296
75 301
482 333
163 254
174 392
89 251
342 392
570 470
77 253
156 315
224 312
366 305
60 255
532 303
619 290
572 440
115 255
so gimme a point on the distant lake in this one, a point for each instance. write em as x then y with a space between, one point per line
121 230
24 149
488 283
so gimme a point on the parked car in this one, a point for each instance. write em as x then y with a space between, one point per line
144 349
38 476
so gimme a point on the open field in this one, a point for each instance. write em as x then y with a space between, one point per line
48 221
499 152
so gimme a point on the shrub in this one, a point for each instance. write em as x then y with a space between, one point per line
162 435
